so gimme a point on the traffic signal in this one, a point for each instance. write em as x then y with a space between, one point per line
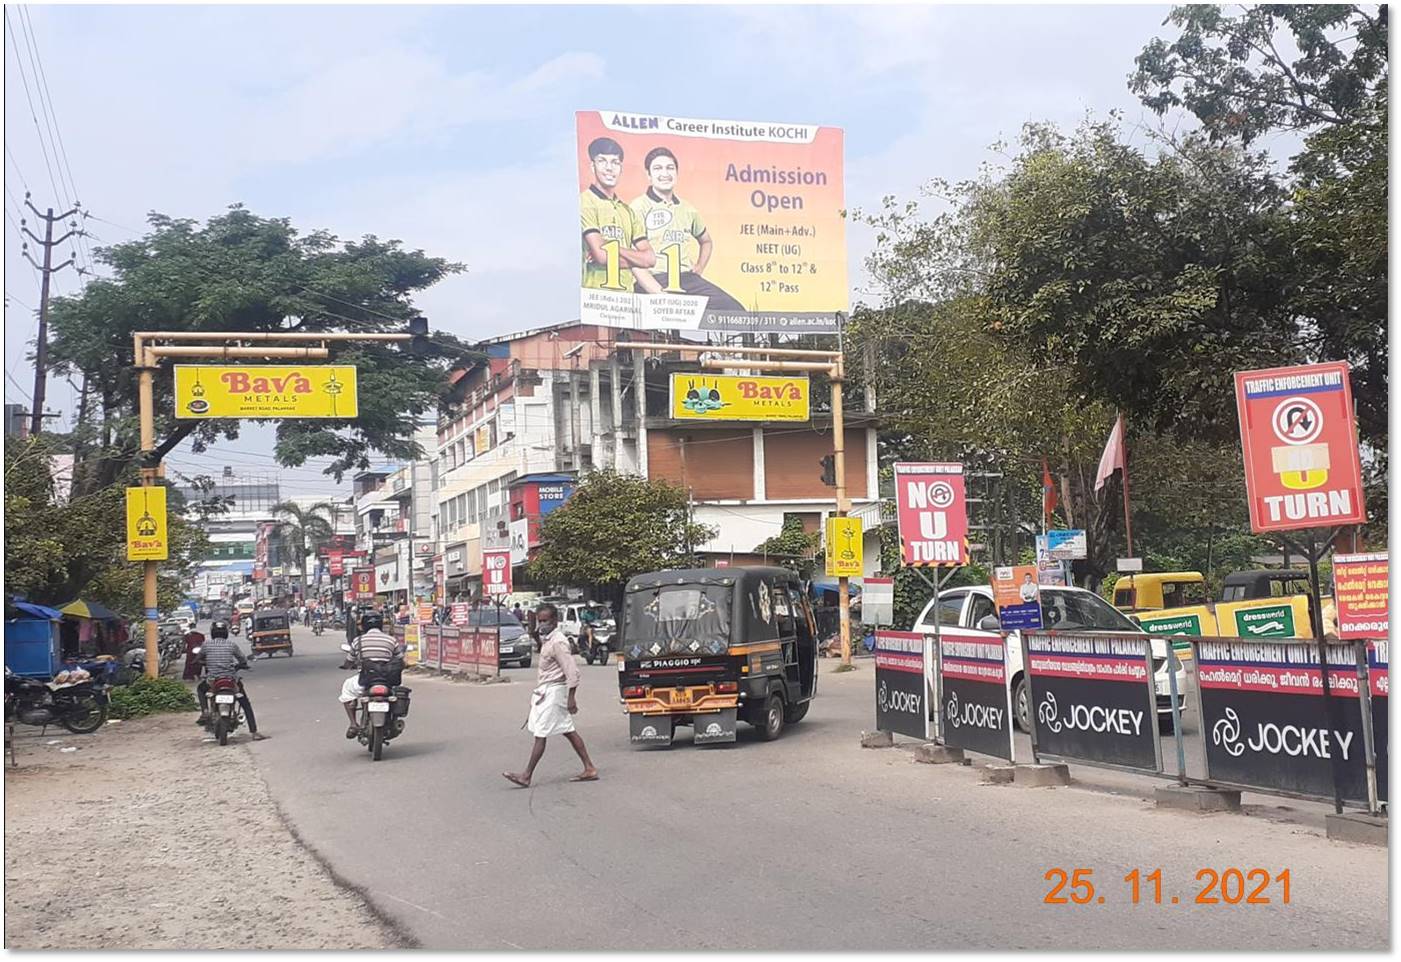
418 327
829 470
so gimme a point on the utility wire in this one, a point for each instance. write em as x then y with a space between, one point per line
18 387
14 44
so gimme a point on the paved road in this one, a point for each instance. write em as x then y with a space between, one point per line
806 843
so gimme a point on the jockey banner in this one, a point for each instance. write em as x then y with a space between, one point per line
902 670
712 225
973 690
1092 697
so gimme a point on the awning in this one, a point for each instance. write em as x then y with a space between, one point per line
90 609
37 611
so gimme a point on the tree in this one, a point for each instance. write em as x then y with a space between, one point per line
615 526
793 546
1235 73
241 272
302 530
61 550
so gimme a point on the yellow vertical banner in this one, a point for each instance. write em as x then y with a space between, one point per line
147 533
844 557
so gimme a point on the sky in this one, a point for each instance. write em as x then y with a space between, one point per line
451 128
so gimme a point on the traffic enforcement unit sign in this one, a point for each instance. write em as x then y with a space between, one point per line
932 513
147 533
1299 441
844 554
902 673
976 707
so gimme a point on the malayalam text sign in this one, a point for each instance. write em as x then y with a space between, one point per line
1360 588
973 687
710 224
725 397
496 573
147 530
902 672
1092 697
1017 596
844 551
1263 717
265 391
1299 441
932 514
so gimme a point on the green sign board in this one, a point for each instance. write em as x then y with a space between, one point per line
1276 621
1179 625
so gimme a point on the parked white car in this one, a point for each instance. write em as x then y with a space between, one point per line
969 613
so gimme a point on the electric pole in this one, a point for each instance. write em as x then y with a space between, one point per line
41 352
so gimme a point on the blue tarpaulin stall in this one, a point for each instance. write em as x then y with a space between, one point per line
32 640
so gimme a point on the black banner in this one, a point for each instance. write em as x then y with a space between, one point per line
900 684
1379 678
1263 719
1092 697
973 686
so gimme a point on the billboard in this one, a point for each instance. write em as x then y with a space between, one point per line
1017 595
1299 441
147 533
724 397
265 391
1361 588
844 548
932 514
710 225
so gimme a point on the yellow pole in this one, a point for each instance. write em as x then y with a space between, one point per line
146 395
839 465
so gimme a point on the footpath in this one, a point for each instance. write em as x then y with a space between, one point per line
148 837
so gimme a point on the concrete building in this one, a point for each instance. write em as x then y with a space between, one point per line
237 505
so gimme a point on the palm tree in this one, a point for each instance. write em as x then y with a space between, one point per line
304 529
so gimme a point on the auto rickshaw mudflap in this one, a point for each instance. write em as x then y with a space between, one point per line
715 728
652 729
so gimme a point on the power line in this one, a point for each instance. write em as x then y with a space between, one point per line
23 393
18 172
14 44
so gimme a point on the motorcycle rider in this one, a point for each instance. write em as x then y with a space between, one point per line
220 657
372 645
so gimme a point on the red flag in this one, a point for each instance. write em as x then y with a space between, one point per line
1048 493
1113 457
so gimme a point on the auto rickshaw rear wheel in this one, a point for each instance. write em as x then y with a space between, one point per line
796 713
770 723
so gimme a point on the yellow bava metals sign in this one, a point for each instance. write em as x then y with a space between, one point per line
265 391
725 397
147 535
844 559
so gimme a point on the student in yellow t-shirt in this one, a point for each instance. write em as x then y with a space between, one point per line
604 220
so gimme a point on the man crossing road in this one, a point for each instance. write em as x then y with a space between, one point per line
552 703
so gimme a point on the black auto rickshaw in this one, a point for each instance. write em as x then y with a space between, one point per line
271 632
707 647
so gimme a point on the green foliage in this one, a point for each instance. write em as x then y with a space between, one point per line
151 696
615 526
301 531
59 551
793 547
1234 74
241 272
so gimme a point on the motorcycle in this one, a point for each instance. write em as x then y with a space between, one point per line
317 627
80 707
381 710
227 716
594 643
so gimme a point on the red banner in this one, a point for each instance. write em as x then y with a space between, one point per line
1361 589
496 572
1299 440
362 582
932 513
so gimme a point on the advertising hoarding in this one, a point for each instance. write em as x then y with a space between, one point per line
844 548
1017 596
362 582
265 391
1299 442
1361 588
973 688
725 397
710 224
1092 697
932 514
147 531
902 672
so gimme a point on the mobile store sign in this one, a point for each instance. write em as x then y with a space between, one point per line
1361 589
724 397
1263 719
931 511
1092 697
973 689
265 391
902 672
739 224
1299 441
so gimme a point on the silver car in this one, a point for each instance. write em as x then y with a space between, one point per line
513 645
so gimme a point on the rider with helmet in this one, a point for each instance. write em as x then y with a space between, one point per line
220 657
375 653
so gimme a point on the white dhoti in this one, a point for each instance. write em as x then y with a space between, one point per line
351 690
549 711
